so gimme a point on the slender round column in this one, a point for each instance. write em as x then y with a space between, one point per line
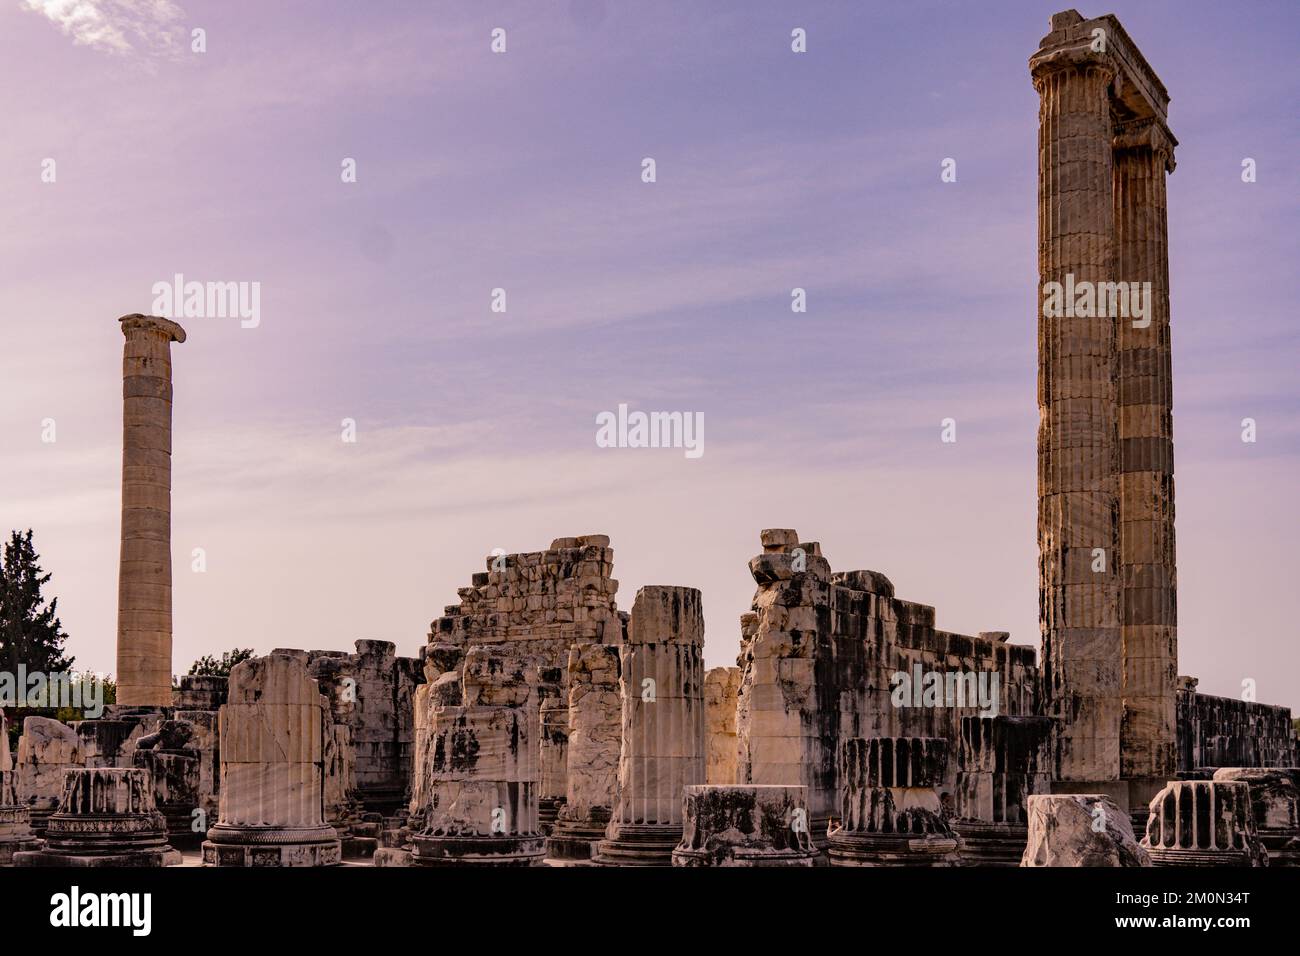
144 582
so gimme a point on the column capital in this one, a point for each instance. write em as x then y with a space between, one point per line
1046 62
137 322
1147 133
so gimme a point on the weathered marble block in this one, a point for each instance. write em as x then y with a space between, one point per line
46 750
201 692
746 826
553 758
1080 829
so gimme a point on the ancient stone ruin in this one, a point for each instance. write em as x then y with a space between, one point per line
541 724
1275 807
144 605
821 656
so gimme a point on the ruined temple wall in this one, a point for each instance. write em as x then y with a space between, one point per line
544 601
372 692
535 606
818 655
899 637
1226 732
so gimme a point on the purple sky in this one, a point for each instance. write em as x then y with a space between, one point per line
522 170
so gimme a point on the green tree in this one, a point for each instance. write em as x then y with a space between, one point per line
30 632
209 666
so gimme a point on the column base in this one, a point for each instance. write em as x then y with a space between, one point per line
741 857
393 856
991 844
162 856
638 846
524 850
272 846
574 841
10 848
1202 858
548 808
880 849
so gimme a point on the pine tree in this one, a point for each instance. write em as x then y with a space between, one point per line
30 632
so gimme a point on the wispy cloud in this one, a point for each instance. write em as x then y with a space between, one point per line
115 26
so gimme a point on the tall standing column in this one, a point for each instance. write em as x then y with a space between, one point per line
144 582
1077 449
663 727
1143 154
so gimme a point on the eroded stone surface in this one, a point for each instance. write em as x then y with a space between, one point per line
819 656
480 764
745 826
595 733
721 690
1204 823
1275 805
106 818
1004 761
1080 830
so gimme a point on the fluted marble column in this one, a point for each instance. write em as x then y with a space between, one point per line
1143 154
1203 823
663 744
1077 447
144 583
272 773
890 814
106 817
